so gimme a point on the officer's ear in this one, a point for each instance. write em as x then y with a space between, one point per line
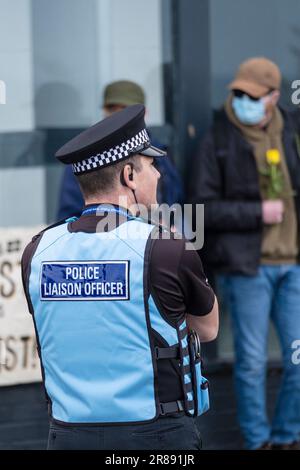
127 176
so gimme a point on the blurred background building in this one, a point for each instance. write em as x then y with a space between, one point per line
56 57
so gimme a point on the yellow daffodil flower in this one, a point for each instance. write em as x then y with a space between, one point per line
273 156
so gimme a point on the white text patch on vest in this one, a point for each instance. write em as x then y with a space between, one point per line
84 281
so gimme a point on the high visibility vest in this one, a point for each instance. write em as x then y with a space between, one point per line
94 317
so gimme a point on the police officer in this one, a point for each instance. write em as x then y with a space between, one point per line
119 310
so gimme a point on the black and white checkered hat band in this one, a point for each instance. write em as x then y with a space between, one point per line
115 154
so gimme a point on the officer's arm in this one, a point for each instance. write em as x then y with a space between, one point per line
206 326
180 285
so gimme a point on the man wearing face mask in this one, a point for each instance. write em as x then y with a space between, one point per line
247 174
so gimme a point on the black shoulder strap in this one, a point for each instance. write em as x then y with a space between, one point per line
56 224
27 257
157 226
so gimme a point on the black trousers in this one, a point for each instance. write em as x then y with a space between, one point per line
177 432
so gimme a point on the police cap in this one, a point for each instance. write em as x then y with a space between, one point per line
119 136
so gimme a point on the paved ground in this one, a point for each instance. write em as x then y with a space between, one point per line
24 424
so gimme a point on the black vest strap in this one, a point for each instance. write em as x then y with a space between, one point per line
167 353
171 407
183 333
188 387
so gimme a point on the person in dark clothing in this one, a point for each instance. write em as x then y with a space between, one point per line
118 95
247 173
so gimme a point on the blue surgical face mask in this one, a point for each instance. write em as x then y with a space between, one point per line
248 111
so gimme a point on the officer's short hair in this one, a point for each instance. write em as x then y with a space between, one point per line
105 180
